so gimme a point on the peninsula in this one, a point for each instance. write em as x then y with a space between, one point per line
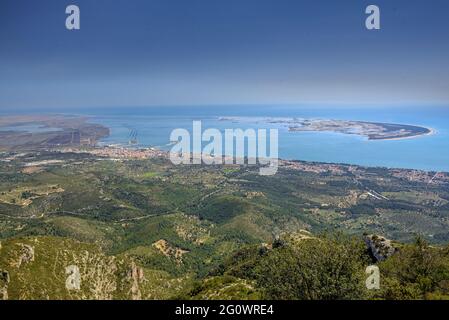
371 130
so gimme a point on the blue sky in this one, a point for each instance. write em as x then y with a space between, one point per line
185 52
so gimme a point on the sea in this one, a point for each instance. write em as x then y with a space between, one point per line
151 127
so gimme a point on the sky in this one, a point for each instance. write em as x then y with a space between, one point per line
218 52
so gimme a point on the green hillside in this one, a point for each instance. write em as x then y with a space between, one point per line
146 229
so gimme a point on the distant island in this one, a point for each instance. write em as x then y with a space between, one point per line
371 130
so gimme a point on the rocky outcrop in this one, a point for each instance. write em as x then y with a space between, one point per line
26 254
169 251
4 281
136 276
379 247
60 268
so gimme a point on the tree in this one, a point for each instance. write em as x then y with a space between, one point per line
417 271
316 268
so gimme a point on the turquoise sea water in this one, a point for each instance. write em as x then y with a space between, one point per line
153 126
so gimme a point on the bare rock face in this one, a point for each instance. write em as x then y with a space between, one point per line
170 251
379 247
98 274
42 268
64 269
136 276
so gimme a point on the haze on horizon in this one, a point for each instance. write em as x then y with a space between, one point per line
177 52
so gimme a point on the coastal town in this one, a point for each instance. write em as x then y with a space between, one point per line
119 152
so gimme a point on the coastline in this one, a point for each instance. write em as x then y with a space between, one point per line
125 152
372 130
389 162
431 132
